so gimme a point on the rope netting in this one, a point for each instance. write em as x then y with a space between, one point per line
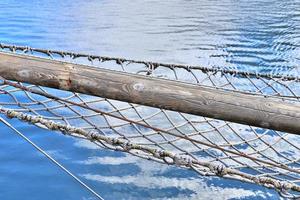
207 146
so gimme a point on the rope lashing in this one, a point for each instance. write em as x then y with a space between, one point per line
208 146
141 124
218 170
151 65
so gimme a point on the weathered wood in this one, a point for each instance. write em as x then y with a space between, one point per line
167 94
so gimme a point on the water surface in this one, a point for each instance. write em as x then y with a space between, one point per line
261 35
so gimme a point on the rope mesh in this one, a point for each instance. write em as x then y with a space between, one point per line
207 146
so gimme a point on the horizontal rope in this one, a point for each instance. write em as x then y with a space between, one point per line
246 153
146 126
165 156
151 65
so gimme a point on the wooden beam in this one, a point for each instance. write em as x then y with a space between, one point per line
161 93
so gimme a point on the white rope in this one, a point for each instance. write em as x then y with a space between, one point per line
167 157
207 146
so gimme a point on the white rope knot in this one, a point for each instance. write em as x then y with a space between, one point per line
182 161
219 170
179 161
11 114
160 153
36 119
167 157
93 136
285 185
114 141
119 61
188 68
27 49
90 58
26 117
52 125
69 128
127 146
156 153
109 141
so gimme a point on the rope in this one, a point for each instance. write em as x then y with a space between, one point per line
208 146
165 156
145 125
152 65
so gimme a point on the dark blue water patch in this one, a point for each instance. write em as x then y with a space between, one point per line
264 131
295 164
241 146
288 153
30 174
249 171
250 35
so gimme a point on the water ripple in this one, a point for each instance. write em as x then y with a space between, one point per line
258 35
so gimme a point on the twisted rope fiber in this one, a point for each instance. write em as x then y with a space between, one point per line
163 155
147 126
154 65
264 165
151 65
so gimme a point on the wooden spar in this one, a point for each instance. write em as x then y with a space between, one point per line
161 93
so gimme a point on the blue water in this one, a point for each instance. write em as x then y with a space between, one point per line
259 35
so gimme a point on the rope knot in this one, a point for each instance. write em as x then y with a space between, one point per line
127 146
219 170
188 68
93 137
182 161
285 185
119 61
52 125
90 58
155 153
179 161
11 114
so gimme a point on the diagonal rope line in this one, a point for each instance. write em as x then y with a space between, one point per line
148 126
51 158
165 156
263 156
151 65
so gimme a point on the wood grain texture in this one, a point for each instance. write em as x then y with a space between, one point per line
161 93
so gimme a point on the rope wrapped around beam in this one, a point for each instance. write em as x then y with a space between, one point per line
231 106
209 146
